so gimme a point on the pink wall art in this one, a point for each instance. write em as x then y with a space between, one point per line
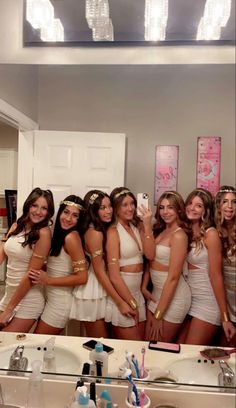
208 163
166 169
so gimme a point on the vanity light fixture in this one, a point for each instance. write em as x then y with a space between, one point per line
39 13
216 15
53 32
155 22
98 18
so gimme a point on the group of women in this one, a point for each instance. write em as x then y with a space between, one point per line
121 274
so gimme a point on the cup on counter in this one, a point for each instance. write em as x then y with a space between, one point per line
147 403
146 375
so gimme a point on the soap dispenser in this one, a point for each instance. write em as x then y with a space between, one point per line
49 360
100 357
82 399
35 397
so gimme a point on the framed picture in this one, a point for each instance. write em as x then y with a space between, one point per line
11 203
208 163
166 169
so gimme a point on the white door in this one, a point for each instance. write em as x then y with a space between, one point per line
69 162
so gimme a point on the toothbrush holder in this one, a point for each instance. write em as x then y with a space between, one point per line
147 403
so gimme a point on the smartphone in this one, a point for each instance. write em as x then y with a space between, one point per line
162 346
90 345
142 199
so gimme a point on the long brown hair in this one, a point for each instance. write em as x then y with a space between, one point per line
32 236
117 196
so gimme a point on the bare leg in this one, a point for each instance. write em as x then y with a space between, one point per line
44 328
141 329
181 337
19 325
170 331
96 329
200 332
127 333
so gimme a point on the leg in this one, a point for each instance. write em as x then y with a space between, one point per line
141 329
44 328
126 333
169 332
181 336
200 332
19 325
96 329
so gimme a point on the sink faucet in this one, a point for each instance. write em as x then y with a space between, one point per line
226 377
17 361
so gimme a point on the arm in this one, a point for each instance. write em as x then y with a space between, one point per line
94 240
178 254
145 282
113 254
146 233
73 247
40 252
2 253
213 245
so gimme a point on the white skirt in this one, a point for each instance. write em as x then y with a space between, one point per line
203 305
58 305
30 307
133 281
181 301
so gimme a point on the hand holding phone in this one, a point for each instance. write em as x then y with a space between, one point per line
142 199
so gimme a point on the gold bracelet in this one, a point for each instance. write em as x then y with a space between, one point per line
225 317
79 262
133 304
158 314
96 253
113 261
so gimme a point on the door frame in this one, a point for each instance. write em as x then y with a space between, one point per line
15 118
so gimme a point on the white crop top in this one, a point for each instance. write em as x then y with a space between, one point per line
162 254
198 257
130 252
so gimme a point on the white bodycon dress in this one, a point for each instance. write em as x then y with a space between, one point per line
31 306
229 271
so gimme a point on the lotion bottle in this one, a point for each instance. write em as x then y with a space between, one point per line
35 397
98 354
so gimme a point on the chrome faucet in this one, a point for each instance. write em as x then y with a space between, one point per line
226 377
17 361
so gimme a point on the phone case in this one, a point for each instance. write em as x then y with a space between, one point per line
142 199
163 346
90 345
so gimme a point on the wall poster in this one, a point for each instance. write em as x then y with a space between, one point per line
166 169
208 163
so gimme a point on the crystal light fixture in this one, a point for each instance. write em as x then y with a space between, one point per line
39 13
156 16
53 32
98 18
216 15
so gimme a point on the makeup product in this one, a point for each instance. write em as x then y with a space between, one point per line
86 369
216 353
163 346
92 391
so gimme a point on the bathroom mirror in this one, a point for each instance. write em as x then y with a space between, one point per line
127 22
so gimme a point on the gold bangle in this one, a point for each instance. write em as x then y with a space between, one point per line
133 304
113 261
225 317
96 253
158 314
79 262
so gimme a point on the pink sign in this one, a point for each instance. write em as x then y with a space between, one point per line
166 170
208 163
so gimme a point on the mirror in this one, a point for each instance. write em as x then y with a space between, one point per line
126 23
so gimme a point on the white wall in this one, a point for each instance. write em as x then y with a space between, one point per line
152 105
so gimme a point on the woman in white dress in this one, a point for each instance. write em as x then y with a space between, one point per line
27 246
225 220
66 267
89 301
128 239
170 299
208 304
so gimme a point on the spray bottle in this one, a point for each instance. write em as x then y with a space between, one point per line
35 392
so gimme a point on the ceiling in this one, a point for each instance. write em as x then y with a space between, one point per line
128 22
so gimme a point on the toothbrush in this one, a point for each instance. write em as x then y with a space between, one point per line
135 363
143 350
142 398
130 379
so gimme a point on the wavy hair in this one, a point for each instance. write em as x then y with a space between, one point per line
176 200
207 219
117 196
59 234
32 236
93 201
227 232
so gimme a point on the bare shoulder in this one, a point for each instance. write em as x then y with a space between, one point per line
211 236
45 232
12 229
179 235
91 233
72 237
112 232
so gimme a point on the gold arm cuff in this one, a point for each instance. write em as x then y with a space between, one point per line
83 268
225 317
39 256
133 304
96 253
113 261
158 314
79 262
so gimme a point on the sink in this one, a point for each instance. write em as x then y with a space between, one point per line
196 370
66 361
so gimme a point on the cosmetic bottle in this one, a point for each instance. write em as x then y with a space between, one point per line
49 360
35 397
82 400
99 355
